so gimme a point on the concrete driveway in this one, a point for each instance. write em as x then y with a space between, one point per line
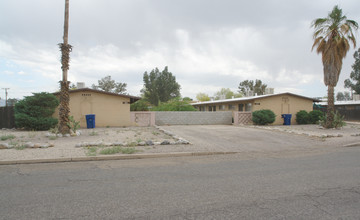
245 139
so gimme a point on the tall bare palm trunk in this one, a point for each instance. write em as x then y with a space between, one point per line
65 48
330 108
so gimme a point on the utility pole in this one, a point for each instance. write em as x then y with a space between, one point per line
6 94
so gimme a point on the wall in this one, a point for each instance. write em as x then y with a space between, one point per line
109 110
143 119
193 118
283 104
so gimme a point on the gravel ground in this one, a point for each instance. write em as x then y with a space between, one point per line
65 147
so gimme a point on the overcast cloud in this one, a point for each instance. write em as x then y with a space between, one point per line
207 44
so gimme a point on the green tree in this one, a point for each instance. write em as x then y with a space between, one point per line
202 97
160 86
12 102
109 85
187 99
340 96
249 85
140 105
35 112
226 93
354 82
175 104
332 37
347 96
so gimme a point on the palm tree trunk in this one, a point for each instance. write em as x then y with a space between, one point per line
330 108
64 109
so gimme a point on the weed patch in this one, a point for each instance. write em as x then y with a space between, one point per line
118 149
7 137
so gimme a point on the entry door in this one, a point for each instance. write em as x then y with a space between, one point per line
285 105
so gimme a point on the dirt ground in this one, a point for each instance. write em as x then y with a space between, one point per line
66 146
126 135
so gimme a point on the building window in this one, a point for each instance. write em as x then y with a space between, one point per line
231 107
214 108
221 107
210 108
241 107
86 94
248 107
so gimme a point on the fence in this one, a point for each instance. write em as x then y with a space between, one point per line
350 113
7 118
242 118
181 118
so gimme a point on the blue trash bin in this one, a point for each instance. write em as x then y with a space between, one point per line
287 119
90 121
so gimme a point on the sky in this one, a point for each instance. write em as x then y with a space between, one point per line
206 44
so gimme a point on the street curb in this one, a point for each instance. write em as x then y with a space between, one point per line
113 157
352 145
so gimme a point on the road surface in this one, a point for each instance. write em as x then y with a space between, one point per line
317 186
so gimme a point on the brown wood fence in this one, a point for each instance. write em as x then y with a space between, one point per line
7 117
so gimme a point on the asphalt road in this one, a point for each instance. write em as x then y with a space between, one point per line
318 186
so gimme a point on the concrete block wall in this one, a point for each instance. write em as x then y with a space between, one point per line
193 118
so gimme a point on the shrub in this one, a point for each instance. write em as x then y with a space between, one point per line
73 125
302 117
315 116
140 105
35 112
338 121
263 117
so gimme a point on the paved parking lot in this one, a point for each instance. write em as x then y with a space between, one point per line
244 139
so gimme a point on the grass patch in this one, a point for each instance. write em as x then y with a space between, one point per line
32 134
92 151
93 133
52 138
138 140
155 133
132 144
7 137
117 149
20 147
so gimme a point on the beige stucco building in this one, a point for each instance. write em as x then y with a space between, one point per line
282 103
110 109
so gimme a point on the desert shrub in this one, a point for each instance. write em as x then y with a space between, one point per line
314 116
302 117
35 112
174 105
338 121
263 117
73 124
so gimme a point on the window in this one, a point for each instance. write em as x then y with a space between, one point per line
248 107
221 107
231 107
210 108
241 107
214 108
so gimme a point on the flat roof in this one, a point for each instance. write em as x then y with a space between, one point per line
350 102
252 98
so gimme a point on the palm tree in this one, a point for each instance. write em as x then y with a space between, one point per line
65 48
331 38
